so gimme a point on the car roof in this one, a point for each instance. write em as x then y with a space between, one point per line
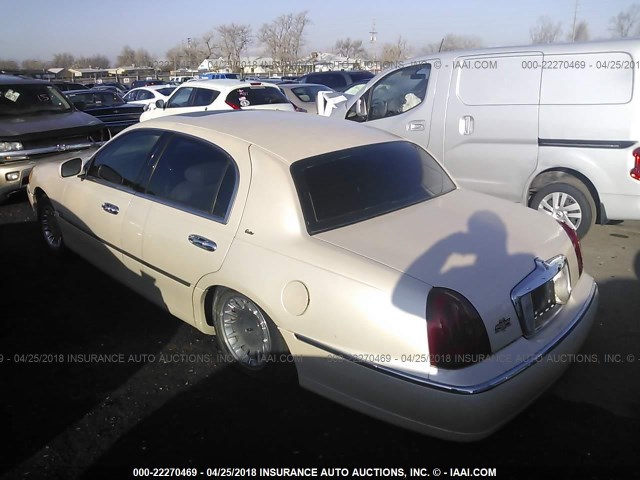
8 79
224 83
306 135
153 87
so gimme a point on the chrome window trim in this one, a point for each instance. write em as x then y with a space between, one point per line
465 389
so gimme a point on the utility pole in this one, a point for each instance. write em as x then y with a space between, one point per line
373 37
575 17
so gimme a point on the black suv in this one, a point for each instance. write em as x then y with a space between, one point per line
335 79
37 121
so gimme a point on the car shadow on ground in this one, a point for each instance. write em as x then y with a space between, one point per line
69 337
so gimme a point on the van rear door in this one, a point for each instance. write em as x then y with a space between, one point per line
491 126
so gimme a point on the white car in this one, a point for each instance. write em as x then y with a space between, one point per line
149 94
344 249
215 95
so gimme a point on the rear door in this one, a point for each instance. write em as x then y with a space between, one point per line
187 100
491 126
185 213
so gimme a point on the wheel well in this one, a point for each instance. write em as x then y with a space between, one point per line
208 303
565 175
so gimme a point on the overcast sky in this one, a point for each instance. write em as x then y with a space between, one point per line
38 29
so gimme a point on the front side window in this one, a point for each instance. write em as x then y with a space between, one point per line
121 161
180 98
398 92
131 96
195 175
349 186
145 95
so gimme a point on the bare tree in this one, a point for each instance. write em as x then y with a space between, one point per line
349 48
127 56
174 57
95 61
622 23
395 52
143 58
8 65
234 40
459 42
209 46
545 31
284 37
580 33
32 64
63 60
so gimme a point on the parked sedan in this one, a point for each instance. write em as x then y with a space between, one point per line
303 95
345 249
107 106
215 95
147 95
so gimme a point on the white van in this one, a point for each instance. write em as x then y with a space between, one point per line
554 127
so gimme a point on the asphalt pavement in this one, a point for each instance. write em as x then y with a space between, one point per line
96 382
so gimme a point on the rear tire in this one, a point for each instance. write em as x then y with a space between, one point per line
568 201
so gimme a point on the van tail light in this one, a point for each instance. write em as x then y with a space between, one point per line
457 336
235 106
635 171
573 236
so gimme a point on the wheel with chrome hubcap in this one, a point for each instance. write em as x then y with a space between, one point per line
244 333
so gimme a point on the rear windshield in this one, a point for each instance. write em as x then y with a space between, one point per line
31 99
93 99
255 95
166 91
349 186
356 76
308 93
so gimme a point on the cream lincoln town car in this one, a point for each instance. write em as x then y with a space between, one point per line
347 249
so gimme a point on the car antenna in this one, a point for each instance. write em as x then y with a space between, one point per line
441 44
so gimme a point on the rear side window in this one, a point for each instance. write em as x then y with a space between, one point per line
195 175
349 186
255 95
596 78
202 97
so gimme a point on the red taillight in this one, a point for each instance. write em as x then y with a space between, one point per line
635 171
573 236
235 106
457 335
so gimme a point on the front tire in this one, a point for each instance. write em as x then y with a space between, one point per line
569 202
50 227
245 335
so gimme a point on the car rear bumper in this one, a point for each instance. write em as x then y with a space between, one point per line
468 410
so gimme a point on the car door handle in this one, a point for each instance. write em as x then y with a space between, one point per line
465 125
110 208
204 243
416 126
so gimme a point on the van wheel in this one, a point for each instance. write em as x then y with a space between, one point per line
49 226
246 336
568 201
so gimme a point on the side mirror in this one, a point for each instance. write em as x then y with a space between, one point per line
160 103
71 168
361 107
